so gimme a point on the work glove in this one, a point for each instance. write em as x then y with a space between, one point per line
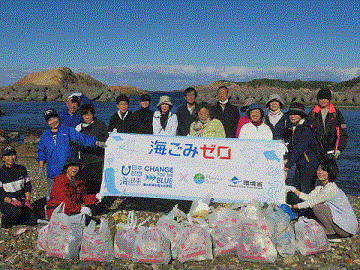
289 188
15 202
101 144
28 205
99 197
85 210
337 154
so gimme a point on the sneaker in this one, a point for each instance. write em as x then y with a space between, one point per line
333 238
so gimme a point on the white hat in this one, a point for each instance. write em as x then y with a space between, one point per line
164 100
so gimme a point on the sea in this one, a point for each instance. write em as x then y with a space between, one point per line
21 116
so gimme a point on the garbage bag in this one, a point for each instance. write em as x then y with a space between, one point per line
284 241
97 245
225 236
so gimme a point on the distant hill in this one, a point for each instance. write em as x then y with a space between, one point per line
58 83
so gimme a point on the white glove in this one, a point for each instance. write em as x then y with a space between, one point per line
99 197
289 188
85 210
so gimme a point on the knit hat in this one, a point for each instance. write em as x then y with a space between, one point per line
70 161
145 97
8 151
50 113
255 106
277 98
164 100
324 93
297 108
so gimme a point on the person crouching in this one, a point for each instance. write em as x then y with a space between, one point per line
69 189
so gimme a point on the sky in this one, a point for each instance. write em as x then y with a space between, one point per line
170 45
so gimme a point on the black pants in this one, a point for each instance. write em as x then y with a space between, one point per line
92 176
16 215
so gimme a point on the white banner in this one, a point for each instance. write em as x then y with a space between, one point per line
191 167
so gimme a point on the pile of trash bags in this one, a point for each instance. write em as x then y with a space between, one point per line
253 231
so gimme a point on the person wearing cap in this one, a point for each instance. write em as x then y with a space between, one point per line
15 192
164 121
122 121
207 126
69 188
187 113
276 119
227 113
244 119
91 157
302 148
143 117
70 116
328 125
55 145
256 129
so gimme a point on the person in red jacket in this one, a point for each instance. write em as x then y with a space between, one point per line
69 189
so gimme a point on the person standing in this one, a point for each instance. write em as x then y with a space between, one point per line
302 148
227 113
276 119
328 125
70 116
15 192
164 121
187 113
92 158
144 116
256 129
122 121
206 126
55 145
244 119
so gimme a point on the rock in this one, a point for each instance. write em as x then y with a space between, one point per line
31 139
14 135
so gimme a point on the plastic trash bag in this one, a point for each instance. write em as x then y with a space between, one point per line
125 237
225 236
200 207
42 242
284 241
64 234
97 245
277 218
252 210
194 244
310 237
151 246
222 215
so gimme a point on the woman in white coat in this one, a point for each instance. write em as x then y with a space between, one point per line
164 121
256 129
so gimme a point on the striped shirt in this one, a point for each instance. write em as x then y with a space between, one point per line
14 182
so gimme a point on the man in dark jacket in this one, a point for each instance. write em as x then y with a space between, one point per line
144 116
228 114
122 121
187 113
328 125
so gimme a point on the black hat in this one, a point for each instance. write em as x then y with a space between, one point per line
297 108
324 93
71 160
8 151
145 97
50 113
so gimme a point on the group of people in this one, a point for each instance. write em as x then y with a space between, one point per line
73 149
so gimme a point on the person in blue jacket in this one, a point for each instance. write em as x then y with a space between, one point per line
70 116
55 145
276 119
302 148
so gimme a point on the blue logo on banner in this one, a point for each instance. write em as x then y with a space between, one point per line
199 178
235 180
150 177
125 170
270 155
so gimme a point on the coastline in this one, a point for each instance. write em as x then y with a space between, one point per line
21 252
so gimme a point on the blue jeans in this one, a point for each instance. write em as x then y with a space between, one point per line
50 184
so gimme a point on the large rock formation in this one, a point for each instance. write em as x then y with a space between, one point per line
58 83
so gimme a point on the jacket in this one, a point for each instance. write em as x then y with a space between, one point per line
14 182
171 125
335 131
93 154
127 125
213 128
279 128
301 145
72 196
143 121
185 119
250 131
242 121
55 154
229 117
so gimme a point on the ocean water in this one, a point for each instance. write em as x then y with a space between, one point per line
21 116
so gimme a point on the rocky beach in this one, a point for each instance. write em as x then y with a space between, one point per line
20 251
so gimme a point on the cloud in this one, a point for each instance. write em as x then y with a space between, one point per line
172 77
